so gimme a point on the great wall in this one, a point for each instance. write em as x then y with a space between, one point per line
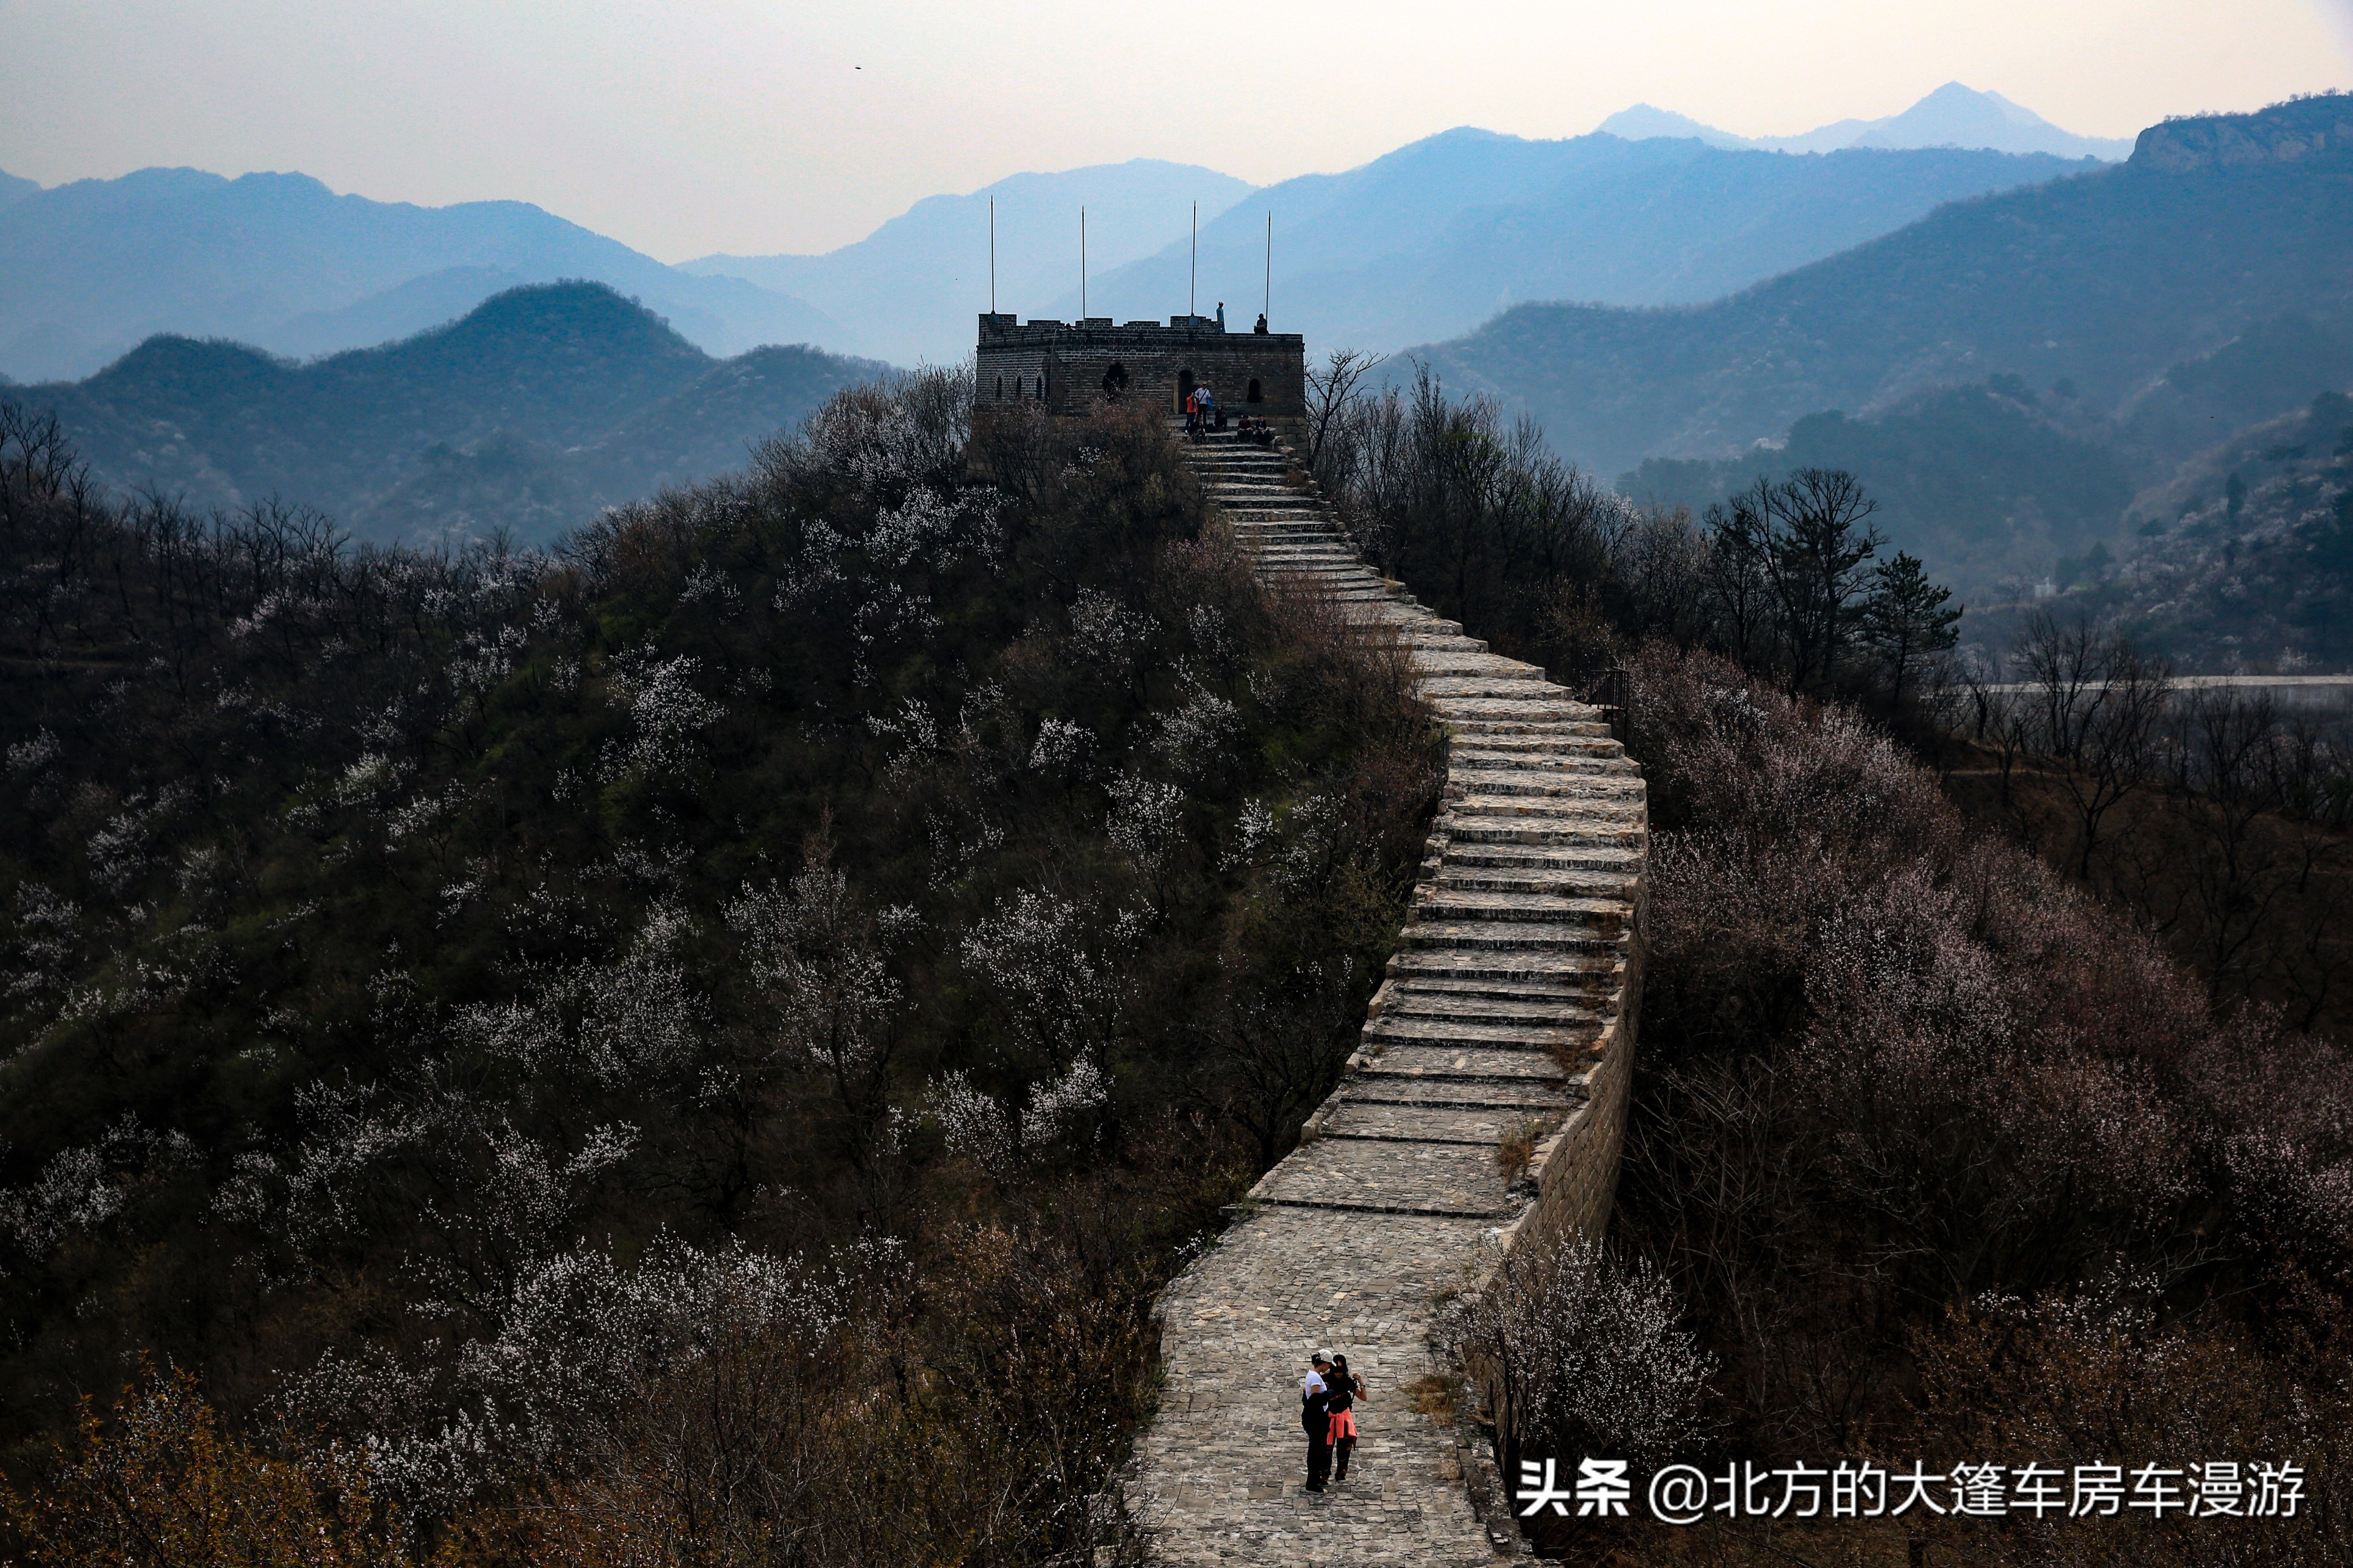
1509 1009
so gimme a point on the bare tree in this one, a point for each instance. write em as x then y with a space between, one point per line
1738 533
1331 388
2096 705
1816 554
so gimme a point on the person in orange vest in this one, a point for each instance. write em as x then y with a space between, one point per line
1193 412
1341 1389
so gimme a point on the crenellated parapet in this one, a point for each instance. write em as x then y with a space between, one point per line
1070 367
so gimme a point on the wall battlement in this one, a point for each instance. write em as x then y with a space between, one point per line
1070 367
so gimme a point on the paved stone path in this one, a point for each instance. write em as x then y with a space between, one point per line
1494 1014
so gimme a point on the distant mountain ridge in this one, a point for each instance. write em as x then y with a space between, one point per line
910 290
538 407
90 269
1436 237
2022 378
1422 244
2105 278
1952 116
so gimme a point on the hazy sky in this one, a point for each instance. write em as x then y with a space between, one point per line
767 126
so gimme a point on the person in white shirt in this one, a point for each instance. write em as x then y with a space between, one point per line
1315 1415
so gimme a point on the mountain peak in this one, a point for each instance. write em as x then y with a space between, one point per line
1953 115
571 312
1648 122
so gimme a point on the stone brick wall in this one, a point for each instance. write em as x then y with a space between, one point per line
1077 365
1508 1013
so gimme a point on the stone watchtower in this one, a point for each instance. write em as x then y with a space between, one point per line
1070 367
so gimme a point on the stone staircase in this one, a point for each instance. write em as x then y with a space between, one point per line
1506 1009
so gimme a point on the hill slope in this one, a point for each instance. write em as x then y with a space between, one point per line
1437 236
2105 279
90 269
540 406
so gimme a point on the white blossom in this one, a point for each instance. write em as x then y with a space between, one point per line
1145 816
666 712
26 756
1061 744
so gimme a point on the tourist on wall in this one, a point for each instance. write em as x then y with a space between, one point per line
1341 1389
1315 1416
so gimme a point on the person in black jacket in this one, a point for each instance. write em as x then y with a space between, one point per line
1315 1416
1342 1388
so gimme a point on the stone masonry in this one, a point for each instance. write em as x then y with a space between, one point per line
1068 368
1510 1006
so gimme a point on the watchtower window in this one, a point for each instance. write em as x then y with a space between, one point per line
1000 388
1254 394
1114 381
1185 384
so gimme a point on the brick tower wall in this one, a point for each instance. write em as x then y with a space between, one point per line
1069 366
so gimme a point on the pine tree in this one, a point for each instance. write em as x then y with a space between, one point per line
1905 619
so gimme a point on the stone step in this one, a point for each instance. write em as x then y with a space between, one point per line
1462 1064
1478 1127
1552 1013
1528 993
1555 718
1593 967
1585 783
1615 884
1485 666
1536 859
1523 936
1337 566
1530 687
1446 904
1367 1177
1501 1035
1475 755
1572 833
1510 737
1597 806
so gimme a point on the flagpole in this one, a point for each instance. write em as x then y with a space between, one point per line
992 256
1193 286
1267 304
1083 263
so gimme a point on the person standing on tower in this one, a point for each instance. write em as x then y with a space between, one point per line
1221 315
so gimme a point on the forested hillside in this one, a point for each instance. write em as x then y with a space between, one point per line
2243 562
540 408
1982 482
830 940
